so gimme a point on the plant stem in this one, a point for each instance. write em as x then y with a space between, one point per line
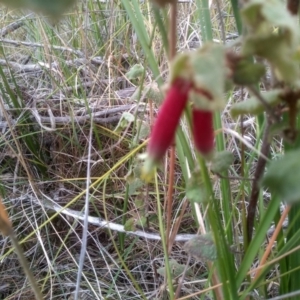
36 290
172 52
272 240
261 163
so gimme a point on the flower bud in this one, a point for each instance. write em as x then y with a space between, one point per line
203 131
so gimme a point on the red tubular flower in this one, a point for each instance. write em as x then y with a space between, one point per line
203 131
163 132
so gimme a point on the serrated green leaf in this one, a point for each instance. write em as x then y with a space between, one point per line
221 161
254 106
135 72
202 247
283 177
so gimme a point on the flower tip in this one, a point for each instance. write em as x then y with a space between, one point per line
148 169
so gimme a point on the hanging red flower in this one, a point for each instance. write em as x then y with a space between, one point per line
164 129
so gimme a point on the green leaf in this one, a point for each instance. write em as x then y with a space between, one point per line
53 8
148 92
176 269
181 66
202 247
134 185
246 72
139 203
135 72
254 106
195 189
196 194
142 221
206 68
142 131
125 120
130 225
278 46
278 52
133 179
283 175
279 128
209 73
262 16
221 161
